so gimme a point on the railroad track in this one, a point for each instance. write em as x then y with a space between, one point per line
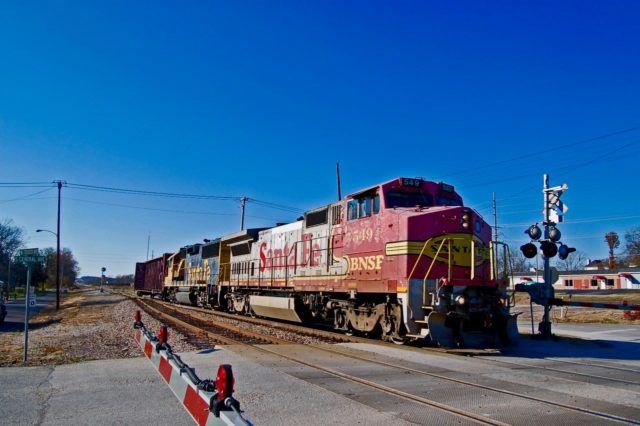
183 321
218 332
548 365
302 330
263 344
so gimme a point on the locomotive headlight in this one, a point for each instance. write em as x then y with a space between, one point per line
465 219
460 300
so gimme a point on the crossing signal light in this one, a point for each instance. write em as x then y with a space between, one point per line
534 232
163 334
529 250
554 234
549 249
224 382
564 251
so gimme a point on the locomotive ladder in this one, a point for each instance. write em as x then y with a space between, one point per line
449 241
427 308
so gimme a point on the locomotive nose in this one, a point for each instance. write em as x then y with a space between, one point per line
428 223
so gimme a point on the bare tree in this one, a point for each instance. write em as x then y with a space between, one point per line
516 262
11 239
576 261
612 240
69 266
632 246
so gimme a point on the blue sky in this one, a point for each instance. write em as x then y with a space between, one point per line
263 98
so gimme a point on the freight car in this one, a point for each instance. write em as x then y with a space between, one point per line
150 275
404 259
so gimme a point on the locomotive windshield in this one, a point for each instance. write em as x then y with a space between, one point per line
408 199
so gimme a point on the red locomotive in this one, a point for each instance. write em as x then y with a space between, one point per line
404 260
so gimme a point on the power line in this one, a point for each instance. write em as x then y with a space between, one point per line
26 196
610 155
529 155
163 210
275 206
150 193
26 183
181 195
579 221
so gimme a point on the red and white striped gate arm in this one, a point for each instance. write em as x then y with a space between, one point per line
624 306
196 401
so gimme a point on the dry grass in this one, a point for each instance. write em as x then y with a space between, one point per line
570 314
58 337
89 325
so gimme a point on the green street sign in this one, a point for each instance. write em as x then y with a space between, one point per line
30 259
29 252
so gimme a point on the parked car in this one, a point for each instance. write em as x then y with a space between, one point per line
3 309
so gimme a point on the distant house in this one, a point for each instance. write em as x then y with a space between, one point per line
597 264
587 279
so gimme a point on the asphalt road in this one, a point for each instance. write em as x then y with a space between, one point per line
15 311
613 332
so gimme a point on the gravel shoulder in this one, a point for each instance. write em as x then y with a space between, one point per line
89 326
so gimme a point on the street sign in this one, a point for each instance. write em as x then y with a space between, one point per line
29 252
30 259
32 301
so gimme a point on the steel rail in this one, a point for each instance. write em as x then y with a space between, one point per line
300 329
559 370
385 389
594 413
212 335
610 367
333 349
156 312
395 392
232 328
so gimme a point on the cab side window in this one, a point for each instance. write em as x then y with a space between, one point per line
363 207
352 210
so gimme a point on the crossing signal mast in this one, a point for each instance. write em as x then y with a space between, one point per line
550 245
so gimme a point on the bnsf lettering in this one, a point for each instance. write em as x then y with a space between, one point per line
366 263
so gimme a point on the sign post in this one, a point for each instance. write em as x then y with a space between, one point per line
28 256
26 311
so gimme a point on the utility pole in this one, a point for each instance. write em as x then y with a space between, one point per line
243 203
59 182
495 237
148 242
338 178
545 326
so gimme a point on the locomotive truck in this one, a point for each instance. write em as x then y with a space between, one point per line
403 260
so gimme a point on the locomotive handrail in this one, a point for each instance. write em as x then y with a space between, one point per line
508 268
449 241
424 281
415 265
